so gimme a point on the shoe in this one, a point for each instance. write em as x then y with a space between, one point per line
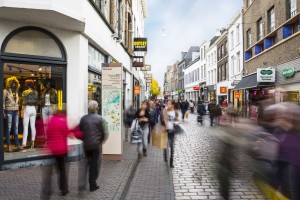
165 155
94 188
172 166
144 152
65 193
32 144
9 149
19 148
140 156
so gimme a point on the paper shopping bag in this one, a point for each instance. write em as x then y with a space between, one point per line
160 139
187 115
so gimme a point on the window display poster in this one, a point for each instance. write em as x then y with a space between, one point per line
112 109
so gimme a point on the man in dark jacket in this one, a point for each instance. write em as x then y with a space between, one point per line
212 108
94 129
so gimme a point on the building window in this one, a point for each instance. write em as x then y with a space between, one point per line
226 71
223 74
201 54
249 38
215 75
237 32
249 2
226 49
201 72
219 54
219 73
291 8
238 62
104 7
260 34
209 60
271 20
222 51
96 59
198 73
232 65
204 73
232 40
204 52
208 78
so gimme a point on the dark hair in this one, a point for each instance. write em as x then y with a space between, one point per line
51 82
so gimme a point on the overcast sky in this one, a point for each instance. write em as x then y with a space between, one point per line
173 26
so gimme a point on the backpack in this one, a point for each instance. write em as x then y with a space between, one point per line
31 99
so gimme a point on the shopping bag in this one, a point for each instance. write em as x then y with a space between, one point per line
160 139
136 135
187 115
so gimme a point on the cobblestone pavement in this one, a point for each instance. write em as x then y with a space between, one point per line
195 156
152 179
26 183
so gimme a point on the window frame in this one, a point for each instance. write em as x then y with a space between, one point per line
260 28
271 23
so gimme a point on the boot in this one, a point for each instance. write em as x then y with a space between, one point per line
144 152
19 148
32 144
165 155
171 162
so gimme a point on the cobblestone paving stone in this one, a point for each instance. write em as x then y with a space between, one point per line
25 184
152 179
195 156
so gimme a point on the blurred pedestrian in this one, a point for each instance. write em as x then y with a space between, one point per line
94 134
153 118
129 117
171 117
184 107
192 106
142 115
212 108
57 133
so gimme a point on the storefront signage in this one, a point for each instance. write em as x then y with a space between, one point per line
235 82
237 94
288 72
137 90
112 98
148 76
223 90
138 61
146 68
140 44
265 75
196 88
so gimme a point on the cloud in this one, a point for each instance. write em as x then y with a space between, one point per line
186 23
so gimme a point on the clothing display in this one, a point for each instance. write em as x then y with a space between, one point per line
30 101
11 109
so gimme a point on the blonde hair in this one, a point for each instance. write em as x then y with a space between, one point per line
11 79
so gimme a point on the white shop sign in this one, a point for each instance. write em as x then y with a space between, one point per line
266 75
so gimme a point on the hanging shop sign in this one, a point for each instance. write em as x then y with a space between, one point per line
196 88
148 76
140 44
223 90
146 68
138 61
288 72
148 80
137 90
265 75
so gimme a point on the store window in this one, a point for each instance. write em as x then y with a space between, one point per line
34 88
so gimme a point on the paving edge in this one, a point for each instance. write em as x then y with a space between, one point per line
126 187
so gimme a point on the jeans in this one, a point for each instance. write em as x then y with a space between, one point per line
171 138
211 120
12 123
92 162
47 113
29 115
183 113
144 143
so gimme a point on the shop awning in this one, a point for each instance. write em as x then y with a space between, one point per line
249 82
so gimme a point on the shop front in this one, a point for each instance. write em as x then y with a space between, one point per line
288 82
34 87
211 92
251 91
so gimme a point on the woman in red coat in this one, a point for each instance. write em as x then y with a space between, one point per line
57 134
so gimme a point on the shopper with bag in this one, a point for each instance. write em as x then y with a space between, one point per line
142 116
153 120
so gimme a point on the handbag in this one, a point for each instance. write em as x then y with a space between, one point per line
199 118
160 139
136 135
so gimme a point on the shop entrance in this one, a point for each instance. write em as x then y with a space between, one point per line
33 72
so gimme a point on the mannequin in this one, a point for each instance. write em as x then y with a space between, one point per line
49 101
11 109
29 107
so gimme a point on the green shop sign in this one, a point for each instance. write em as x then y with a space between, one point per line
288 72
266 72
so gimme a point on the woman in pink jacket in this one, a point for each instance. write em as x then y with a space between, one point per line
57 134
